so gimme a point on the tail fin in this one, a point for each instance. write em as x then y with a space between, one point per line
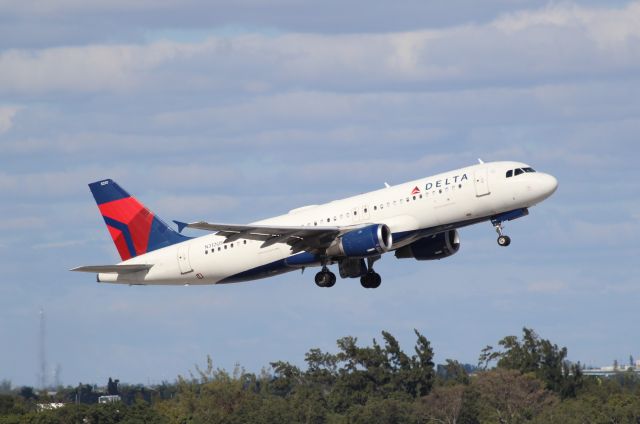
134 228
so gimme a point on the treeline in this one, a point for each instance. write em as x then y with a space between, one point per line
523 380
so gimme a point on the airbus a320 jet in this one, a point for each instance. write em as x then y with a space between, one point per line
415 220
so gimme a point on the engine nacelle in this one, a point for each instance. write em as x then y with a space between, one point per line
433 247
362 242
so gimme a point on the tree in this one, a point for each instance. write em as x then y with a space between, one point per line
538 356
453 372
286 379
509 397
423 366
487 356
27 393
443 405
5 386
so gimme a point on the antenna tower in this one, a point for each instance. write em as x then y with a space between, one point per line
42 358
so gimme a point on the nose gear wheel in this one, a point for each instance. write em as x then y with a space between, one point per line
503 240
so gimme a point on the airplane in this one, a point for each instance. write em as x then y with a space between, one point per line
416 220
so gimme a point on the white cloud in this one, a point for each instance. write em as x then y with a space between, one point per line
59 244
616 234
237 127
608 27
22 223
86 68
7 113
553 41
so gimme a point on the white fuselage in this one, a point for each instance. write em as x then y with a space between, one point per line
441 202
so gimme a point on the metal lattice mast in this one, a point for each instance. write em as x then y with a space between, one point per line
42 358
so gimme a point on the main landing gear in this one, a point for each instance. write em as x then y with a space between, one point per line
371 279
503 240
325 278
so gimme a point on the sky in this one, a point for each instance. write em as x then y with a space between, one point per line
237 111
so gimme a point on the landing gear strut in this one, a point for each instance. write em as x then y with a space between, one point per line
503 240
371 279
325 278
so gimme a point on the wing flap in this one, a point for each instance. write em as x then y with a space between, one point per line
117 269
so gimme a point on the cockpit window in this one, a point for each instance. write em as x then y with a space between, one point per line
528 170
519 171
510 173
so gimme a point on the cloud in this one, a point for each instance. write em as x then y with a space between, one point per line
84 69
236 124
7 113
608 27
22 223
70 22
59 244
595 42
616 234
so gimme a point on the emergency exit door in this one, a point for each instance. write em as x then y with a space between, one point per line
183 258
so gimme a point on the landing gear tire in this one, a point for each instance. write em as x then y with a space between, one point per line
332 280
504 241
325 279
371 280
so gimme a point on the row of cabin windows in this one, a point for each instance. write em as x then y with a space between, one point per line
365 210
223 247
518 171
389 204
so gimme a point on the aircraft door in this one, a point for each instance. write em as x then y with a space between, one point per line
183 258
481 179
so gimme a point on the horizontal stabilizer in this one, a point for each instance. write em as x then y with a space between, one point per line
117 269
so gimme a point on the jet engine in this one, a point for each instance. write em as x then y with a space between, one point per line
437 246
362 242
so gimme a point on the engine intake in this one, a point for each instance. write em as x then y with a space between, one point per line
433 247
362 242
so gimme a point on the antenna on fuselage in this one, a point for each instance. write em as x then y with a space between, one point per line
480 161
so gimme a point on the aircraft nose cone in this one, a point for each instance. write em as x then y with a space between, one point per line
550 184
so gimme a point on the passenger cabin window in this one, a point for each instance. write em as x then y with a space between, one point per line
510 173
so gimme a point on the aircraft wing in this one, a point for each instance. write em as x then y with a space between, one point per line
117 269
311 239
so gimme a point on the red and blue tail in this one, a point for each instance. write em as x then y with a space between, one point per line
134 228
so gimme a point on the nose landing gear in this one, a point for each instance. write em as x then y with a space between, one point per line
503 240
